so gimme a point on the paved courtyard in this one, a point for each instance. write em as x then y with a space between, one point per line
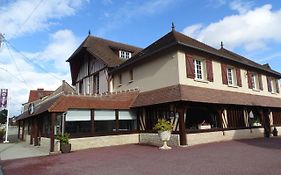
257 156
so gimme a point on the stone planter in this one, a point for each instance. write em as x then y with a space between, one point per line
65 148
164 137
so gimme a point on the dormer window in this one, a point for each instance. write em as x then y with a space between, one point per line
124 54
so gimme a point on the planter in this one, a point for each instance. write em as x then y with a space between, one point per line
65 148
164 137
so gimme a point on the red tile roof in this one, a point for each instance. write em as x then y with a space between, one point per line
175 38
204 95
122 100
38 94
61 103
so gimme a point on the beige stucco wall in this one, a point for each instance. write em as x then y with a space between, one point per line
158 73
217 84
208 137
45 144
102 141
153 139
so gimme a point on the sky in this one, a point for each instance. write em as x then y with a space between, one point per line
40 35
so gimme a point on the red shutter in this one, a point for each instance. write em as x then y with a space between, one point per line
238 77
260 82
269 84
277 86
249 75
209 67
223 73
189 66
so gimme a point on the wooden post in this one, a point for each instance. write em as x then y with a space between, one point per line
52 132
22 133
19 129
36 141
32 131
93 122
117 119
265 121
181 109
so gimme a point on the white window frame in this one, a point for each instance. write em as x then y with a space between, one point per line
231 76
124 54
273 86
199 74
255 81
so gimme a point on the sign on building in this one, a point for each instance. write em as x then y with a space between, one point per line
3 98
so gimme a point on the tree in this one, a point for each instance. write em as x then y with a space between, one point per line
3 116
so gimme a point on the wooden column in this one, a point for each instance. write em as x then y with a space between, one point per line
93 122
22 133
32 131
19 129
265 121
181 109
36 141
117 119
52 132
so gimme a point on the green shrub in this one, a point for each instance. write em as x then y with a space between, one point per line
63 138
2 133
163 125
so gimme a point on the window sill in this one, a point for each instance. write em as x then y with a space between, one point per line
119 85
202 81
274 93
131 81
233 86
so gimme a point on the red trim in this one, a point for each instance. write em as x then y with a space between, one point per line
223 73
209 67
189 66
238 76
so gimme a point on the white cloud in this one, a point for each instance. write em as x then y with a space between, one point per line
62 44
13 16
131 10
20 75
251 29
241 6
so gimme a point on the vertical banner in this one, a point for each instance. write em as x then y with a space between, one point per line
3 98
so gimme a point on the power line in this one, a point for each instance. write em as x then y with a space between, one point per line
30 60
29 16
14 61
14 76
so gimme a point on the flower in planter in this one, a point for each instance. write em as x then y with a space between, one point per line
163 125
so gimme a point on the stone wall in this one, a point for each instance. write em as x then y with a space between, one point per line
153 139
207 137
102 141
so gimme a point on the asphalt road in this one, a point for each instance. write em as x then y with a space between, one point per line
256 156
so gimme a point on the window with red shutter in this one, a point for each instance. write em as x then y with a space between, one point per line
250 81
209 67
189 66
269 87
238 77
223 73
277 86
260 82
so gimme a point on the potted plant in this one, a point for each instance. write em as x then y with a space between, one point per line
65 146
164 128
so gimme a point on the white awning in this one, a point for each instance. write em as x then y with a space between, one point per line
78 115
104 115
127 115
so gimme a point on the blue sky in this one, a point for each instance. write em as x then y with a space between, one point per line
42 34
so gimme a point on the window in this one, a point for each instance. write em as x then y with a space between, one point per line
199 69
96 84
273 86
81 87
231 80
255 81
131 75
120 79
124 54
